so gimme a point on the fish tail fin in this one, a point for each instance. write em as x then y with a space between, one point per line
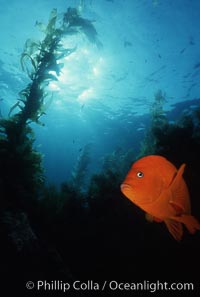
175 228
190 222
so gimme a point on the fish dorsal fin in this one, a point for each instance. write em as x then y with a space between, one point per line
180 195
175 228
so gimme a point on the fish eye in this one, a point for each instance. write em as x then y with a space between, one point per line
140 174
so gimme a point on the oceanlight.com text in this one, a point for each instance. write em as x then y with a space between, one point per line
112 285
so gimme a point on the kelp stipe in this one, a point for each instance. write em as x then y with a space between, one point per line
79 174
158 123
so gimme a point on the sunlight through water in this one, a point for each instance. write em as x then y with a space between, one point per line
81 73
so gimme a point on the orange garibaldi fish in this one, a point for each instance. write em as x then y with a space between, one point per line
156 186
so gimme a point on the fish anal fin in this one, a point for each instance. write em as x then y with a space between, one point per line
175 228
190 222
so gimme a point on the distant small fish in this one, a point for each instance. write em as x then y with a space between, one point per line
191 40
120 78
127 44
187 75
182 51
158 70
140 129
155 3
197 65
156 186
159 56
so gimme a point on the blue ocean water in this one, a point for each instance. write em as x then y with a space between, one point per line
101 102
104 95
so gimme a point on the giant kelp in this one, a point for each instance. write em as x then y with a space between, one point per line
79 174
158 122
21 173
173 139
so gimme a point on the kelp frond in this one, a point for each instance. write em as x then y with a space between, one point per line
73 22
79 173
24 58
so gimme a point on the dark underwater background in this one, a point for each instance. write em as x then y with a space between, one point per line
85 91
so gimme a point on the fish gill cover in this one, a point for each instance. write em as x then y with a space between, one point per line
96 87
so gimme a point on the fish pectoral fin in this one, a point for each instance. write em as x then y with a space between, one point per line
151 218
175 228
178 208
190 222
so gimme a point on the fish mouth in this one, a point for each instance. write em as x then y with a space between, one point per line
125 187
127 190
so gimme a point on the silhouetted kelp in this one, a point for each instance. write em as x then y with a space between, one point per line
158 122
21 172
175 140
79 174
